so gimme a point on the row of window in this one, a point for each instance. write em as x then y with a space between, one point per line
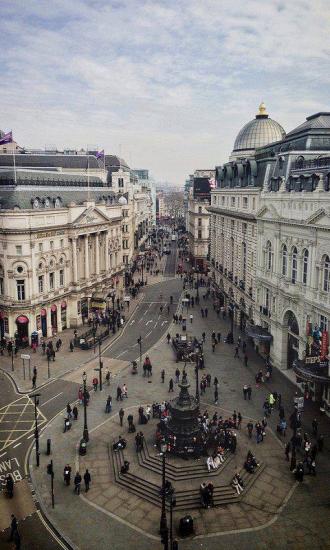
233 201
235 224
292 269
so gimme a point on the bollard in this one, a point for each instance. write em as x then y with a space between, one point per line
49 443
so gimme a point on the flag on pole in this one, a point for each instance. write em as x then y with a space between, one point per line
6 138
100 154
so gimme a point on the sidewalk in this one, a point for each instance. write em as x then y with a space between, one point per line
65 361
68 516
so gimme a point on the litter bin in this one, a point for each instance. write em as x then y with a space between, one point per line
49 443
186 526
82 447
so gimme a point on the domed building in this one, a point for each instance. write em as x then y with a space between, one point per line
259 132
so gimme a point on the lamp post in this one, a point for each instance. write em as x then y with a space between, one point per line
36 429
112 295
197 377
172 505
85 432
163 520
12 359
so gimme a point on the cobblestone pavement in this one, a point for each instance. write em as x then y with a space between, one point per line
303 520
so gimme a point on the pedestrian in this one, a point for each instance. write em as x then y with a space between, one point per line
191 317
108 404
87 480
244 346
177 376
13 527
71 346
107 377
249 392
206 311
171 385
119 394
246 359
239 420
34 382
250 429
287 451
216 382
95 383
236 352
75 412
219 337
216 396
121 416
125 391
80 395
245 391
162 376
202 312
315 426
213 346
67 474
293 462
53 354
77 482
203 337
168 337
43 345
208 380
69 410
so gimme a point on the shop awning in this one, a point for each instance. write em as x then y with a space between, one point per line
311 372
259 333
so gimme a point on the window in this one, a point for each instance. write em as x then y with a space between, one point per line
326 274
323 323
245 202
267 298
19 250
199 222
120 182
51 244
223 200
200 208
40 247
199 234
125 259
61 277
51 280
284 260
20 289
233 224
62 243
253 203
269 256
233 201
20 269
244 227
294 265
1 286
41 283
305 267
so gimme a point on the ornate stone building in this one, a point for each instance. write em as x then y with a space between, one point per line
233 225
199 219
293 263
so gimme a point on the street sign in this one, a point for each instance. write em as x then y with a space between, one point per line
26 356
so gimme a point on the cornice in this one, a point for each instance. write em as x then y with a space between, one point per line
232 214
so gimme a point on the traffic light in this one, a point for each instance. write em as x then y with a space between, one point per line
50 469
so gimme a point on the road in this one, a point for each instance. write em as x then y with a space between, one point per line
17 411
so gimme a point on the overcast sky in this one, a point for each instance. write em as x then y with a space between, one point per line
166 84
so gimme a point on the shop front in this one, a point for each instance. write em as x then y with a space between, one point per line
42 318
261 338
22 331
64 314
53 319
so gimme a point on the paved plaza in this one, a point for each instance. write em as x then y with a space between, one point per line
274 510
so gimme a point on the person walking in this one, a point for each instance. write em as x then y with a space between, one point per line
219 337
287 451
34 382
107 377
125 391
216 396
246 359
77 483
87 480
171 385
177 376
206 311
119 394
249 392
236 352
213 346
13 527
191 317
121 416
67 474
315 425
95 383
168 337
208 380
245 391
108 405
75 412
162 376
69 410
239 420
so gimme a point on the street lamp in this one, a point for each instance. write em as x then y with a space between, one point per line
196 371
85 432
163 520
112 295
36 429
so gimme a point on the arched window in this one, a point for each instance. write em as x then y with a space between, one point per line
326 274
305 267
294 262
269 257
284 260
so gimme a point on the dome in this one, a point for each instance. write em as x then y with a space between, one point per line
259 132
122 201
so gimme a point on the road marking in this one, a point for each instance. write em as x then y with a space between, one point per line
3 454
147 323
17 445
45 403
164 322
32 435
132 322
122 353
148 334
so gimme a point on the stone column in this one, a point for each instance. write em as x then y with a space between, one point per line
97 254
86 258
49 322
106 246
74 261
